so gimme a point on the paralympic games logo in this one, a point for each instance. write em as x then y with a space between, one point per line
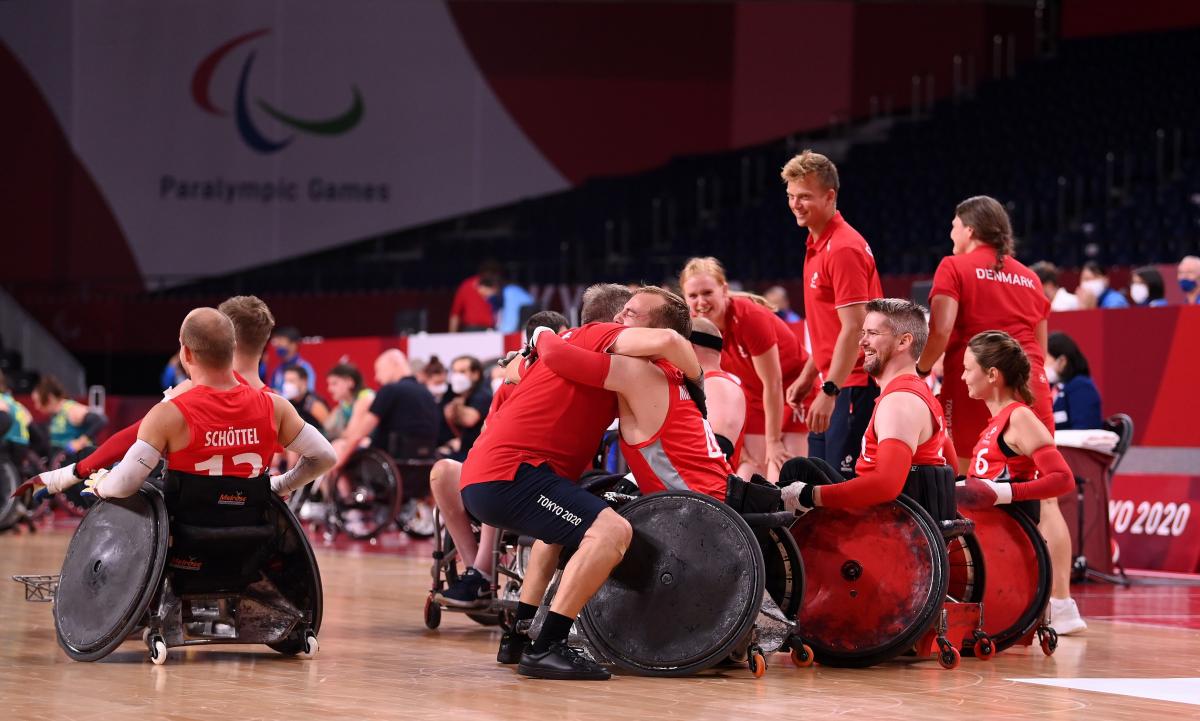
251 135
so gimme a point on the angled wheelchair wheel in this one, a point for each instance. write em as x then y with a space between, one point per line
1018 572
112 570
875 578
10 508
293 569
367 494
687 592
784 568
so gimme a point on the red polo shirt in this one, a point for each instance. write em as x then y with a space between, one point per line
839 270
472 308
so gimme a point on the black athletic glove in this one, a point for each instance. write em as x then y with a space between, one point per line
695 389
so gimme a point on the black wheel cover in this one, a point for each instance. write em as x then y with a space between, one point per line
689 589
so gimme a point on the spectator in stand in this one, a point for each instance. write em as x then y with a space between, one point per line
353 398
1189 279
286 342
472 309
513 299
777 296
1060 298
468 405
433 376
1094 290
311 408
1076 399
1146 288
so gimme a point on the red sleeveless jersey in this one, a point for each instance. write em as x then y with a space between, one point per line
740 441
988 460
683 454
233 432
928 453
547 419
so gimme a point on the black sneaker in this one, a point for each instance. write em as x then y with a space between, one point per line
563 663
512 645
471 590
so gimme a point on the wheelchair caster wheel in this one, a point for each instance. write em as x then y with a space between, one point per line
985 650
310 645
158 649
756 662
1048 640
949 658
803 656
433 613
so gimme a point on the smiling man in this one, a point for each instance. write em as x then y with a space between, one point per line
907 430
839 278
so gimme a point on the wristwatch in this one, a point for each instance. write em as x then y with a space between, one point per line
923 374
830 388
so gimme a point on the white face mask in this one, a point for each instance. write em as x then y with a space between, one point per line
438 388
1051 373
496 383
1139 293
1095 286
291 391
459 382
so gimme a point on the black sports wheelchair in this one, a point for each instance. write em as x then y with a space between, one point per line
190 560
365 499
908 577
703 582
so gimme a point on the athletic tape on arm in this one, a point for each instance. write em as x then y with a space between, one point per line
131 472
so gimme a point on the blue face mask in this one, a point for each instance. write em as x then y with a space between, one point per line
1187 285
281 351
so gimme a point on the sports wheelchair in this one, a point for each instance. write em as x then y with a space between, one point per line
901 577
1016 588
205 560
700 583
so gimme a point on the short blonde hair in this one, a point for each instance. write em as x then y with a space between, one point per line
706 265
810 163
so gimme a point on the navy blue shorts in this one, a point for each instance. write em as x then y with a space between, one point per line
536 502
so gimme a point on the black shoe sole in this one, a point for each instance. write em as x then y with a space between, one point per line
555 675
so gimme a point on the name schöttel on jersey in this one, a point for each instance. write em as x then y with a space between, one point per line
1001 276
231 437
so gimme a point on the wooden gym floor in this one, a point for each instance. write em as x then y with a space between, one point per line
1139 660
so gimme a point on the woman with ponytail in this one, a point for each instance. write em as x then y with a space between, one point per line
1015 459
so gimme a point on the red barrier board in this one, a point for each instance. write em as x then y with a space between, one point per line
1151 517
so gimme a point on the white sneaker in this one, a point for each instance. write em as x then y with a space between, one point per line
1065 618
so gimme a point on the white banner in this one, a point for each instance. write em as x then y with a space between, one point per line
247 131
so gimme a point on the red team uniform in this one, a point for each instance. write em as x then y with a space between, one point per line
929 453
683 454
993 460
839 270
751 330
218 447
1010 300
547 419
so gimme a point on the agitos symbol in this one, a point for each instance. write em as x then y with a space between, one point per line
245 124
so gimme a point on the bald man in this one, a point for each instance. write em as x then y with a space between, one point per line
1189 279
726 397
403 419
221 427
